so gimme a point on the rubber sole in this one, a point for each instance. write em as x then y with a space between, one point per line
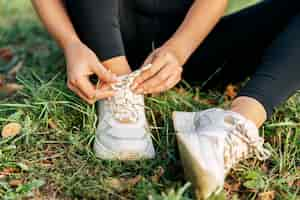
106 154
203 182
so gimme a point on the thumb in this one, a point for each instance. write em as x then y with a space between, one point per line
104 74
149 59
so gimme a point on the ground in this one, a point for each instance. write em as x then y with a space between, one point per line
51 157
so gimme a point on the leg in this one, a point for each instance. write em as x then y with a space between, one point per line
204 152
97 24
234 41
277 77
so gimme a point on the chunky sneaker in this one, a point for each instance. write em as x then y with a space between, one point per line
123 132
211 142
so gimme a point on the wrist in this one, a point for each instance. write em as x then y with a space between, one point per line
181 52
69 42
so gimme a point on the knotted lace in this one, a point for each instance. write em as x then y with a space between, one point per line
125 105
241 145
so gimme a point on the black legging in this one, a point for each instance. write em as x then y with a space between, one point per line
267 33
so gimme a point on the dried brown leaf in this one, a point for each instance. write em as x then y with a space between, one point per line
10 88
15 183
52 124
6 54
11 129
123 184
2 80
158 173
131 182
47 163
265 167
8 171
115 184
231 91
297 183
269 195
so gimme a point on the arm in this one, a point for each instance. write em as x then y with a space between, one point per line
55 18
200 20
81 61
168 60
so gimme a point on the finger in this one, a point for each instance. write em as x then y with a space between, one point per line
156 80
80 94
104 74
158 63
168 84
104 86
146 65
104 94
172 82
149 59
86 87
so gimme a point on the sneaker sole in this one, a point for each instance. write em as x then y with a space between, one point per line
194 172
106 154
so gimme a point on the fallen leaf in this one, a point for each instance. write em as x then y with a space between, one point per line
52 124
270 195
10 88
115 184
264 167
231 91
11 129
7 171
2 80
297 183
133 181
6 54
123 184
15 183
158 173
46 163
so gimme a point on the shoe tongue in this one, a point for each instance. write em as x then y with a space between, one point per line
233 118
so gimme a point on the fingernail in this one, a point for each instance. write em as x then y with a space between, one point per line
134 86
148 66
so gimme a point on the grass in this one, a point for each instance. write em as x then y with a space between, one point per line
56 162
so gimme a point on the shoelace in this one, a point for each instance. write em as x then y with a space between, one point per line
125 104
241 145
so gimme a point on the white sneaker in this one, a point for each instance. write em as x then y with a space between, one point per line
211 142
123 132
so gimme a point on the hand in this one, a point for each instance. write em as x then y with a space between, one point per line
164 74
81 64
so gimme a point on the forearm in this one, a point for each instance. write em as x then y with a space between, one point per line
198 23
56 20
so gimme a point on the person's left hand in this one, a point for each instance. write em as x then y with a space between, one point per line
163 75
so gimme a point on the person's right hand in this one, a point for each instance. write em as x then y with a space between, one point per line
81 64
